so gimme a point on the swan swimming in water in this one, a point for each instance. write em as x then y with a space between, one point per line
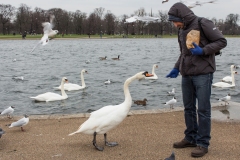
224 84
106 118
153 72
72 86
49 96
229 78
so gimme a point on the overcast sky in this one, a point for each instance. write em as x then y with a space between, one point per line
219 10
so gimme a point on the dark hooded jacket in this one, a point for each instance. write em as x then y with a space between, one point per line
214 41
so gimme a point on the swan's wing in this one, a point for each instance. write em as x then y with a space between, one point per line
19 123
104 111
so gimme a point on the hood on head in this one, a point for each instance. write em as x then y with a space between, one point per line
181 11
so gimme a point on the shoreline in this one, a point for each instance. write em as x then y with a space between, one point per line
215 107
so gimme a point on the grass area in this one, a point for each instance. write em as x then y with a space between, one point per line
96 36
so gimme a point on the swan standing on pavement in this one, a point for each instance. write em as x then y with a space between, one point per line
229 78
106 118
224 84
74 87
49 96
153 72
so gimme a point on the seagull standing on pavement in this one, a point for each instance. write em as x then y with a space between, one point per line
225 99
20 123
8 111
171 102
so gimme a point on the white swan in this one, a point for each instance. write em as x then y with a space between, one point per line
49 96
153 72
72 86
224 84
108 117
229 78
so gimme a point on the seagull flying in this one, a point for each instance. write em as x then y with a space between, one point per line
8 111
164 1
225 99
171 102
143 19
171 93
192 4
21 122
47 32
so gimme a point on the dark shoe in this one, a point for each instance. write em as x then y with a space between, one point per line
183 144
199 151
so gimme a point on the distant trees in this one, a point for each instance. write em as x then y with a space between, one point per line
24 20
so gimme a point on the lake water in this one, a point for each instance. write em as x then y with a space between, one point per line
44 68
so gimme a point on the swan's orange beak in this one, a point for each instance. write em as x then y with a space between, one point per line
149 75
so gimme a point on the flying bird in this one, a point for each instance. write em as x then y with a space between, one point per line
20 123
108 117
47 32
141 18
1 132
192 4
8 111
171 93
225 99
172 157
171 102
164 1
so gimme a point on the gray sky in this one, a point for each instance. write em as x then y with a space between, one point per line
219 10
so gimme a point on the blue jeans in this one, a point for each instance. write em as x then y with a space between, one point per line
198 121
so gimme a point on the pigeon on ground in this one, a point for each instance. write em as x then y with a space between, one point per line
172 157
1 132
8 111
20 123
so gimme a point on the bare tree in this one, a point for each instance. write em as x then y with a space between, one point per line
78 21
6 14
23 18
109 19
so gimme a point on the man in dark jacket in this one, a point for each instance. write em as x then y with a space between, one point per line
196 66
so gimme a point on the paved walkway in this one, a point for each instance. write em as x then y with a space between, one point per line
142 135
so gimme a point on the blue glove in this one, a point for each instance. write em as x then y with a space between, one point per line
197 50
173 74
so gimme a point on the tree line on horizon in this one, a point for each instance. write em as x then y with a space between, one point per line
24 20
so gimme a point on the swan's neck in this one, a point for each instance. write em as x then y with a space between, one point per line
153 70
82 79
128 98
233 78
62 89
